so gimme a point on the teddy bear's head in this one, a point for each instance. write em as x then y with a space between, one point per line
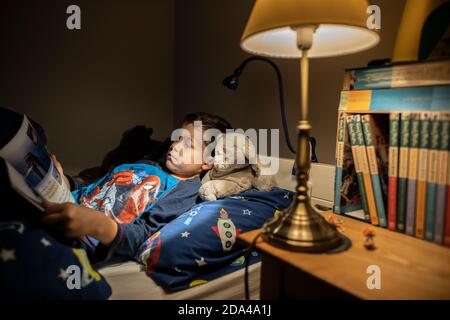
233 151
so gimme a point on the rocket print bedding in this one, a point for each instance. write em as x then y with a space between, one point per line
200 245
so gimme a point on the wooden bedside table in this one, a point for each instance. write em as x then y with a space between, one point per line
410 268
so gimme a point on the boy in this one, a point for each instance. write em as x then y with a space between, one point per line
122 211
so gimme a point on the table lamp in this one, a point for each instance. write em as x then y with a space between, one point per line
303 29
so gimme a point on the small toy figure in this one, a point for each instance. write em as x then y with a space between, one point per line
369 243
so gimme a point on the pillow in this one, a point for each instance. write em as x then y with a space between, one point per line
35 265
200 245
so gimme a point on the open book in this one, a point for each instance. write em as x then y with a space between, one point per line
30 169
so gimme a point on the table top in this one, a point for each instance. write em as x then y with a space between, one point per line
410 268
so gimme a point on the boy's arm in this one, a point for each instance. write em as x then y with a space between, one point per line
128 240
75 221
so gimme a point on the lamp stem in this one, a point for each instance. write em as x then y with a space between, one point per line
304 72
303 153
299 227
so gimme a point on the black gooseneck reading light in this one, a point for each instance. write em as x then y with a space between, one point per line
232 82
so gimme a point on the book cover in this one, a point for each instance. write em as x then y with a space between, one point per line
422 174
18 183
443 160
433 155
372 137
364 163
340 140
397 99
357 166
412 172
347 191
394 123
418 74
27 153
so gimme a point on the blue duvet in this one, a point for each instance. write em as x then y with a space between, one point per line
200 245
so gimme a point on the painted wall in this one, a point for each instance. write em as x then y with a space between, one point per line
207 34
87 87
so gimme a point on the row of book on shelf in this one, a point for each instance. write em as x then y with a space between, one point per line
393 148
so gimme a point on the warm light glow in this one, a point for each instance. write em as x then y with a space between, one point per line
329 40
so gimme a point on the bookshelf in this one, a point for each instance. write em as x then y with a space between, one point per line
407 181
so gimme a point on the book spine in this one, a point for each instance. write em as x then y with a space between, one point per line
412 173
394 119
367 123
407 75
339 162
397 99
402 191
358 168
447 207
364 163
442 178
433 157
422 174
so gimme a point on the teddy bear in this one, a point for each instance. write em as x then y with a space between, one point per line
236 168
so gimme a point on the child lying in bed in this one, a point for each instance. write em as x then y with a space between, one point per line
115 215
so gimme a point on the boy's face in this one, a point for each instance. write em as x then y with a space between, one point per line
182 155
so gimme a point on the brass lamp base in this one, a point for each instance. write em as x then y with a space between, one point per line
300 228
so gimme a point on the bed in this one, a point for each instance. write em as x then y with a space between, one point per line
128 280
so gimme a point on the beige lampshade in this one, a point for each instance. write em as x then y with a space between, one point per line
341 28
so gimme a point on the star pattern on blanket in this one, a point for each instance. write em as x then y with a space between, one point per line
201 262
63 274
286 195
247 212
7 255
185 234
45 242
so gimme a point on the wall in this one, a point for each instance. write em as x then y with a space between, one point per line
151 62
86 87
207 34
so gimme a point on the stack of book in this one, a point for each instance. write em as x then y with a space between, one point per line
393 148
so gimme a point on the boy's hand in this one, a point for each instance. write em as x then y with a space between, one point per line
75 221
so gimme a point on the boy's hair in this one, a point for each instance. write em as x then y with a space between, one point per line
209 121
